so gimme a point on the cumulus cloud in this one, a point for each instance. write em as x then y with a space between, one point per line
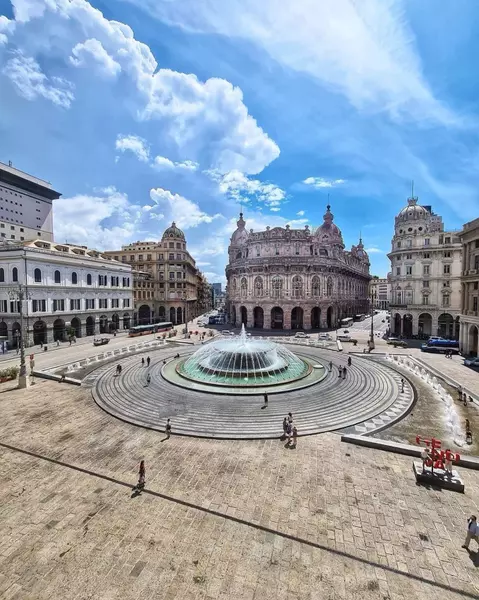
134 144
184 212
320 182
374 250
30 82
205 120
92 54
240 188
162 162
300 213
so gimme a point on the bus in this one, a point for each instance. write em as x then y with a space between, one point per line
152 328
441 345
347 322
359 317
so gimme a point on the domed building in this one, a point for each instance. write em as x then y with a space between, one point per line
285 278
425 275
167 284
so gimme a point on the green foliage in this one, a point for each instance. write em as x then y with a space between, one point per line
10 373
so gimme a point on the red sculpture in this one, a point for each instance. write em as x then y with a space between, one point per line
435 459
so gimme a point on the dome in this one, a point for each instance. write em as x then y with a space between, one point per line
240 236
328 232
173 232
413 210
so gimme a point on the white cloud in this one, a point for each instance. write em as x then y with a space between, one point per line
92 54
374 250
300 213
240 188
320 182
363 50
162 162
275 209
6 27
31 83
205 120
135 144
184 212
203 263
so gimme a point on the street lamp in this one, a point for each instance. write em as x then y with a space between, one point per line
371 338
19 295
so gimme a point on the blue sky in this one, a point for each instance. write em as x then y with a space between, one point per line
145 111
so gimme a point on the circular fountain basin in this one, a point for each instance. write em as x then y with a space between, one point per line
241 362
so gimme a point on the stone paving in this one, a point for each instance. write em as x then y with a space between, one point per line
369 397
220 519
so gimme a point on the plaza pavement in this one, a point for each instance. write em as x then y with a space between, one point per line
220 519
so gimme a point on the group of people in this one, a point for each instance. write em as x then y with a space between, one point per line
342 371
290 432
140 486
448 354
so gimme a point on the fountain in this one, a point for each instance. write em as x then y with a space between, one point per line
239 361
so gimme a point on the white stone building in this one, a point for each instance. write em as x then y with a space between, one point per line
468 340
67 288
426 264
380 292
285 278
25 206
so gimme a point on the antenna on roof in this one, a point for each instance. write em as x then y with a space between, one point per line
412 188
9 163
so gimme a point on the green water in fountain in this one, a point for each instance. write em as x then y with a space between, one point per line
242 361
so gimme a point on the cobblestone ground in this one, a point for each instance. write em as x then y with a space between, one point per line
220 520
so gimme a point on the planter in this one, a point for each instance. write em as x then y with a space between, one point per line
4 379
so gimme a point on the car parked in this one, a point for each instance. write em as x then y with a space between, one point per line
344 338
324 337
301 334
472 363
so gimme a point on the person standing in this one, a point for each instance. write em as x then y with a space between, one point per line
148 361
349 361
266 399
340 371
295 436
330 366
148 379
142 361
290 418
402 385
472 532
168 429
141 477
285 427
344 372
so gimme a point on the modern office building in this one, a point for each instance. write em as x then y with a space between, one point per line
426 264
469 333
25 206
380 292
285 278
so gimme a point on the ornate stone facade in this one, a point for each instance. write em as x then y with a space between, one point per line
425 275
285 278
469 334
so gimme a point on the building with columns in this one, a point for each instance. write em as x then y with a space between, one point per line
69 290
426 264
469 334
166 280
285 278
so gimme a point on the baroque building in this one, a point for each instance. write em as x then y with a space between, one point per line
469 334
285 278
167 284
69 290
425 276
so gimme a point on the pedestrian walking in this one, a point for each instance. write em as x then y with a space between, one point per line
349 361
148 361
330 366
168 429
148 379
402 385
295 437
468 432
290 418
344 372
266 399
472 532
143 361
285 427
340 371
118 369
141 477
289 433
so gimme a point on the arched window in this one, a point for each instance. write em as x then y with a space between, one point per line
88 279
316 286
276 286
74 278
37 275
244 286
297 287
329 287
258 287
2 275
57 277
14 274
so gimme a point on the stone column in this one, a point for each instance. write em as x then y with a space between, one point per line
307 317
286 317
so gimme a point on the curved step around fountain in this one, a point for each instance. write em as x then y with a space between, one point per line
369 394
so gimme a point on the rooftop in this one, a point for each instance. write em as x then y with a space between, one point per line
13 176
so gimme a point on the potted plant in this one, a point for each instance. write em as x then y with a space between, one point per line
8 374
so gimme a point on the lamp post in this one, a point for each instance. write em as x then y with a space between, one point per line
20 294
371 338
